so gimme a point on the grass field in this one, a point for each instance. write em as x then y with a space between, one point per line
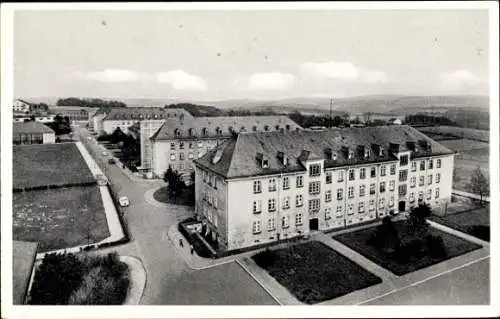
459 132
357 241
49 164
313 272
466 221
471 154
59 218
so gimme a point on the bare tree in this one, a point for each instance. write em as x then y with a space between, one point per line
456 177
479 184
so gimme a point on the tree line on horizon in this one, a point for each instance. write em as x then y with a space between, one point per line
89 102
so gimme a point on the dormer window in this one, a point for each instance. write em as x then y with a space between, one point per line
191 132
350 155
178 133
242 129
254 128
266 128
265 163
282 158
367 153
381 151
287 127
334 156
277 127
218 131
204 131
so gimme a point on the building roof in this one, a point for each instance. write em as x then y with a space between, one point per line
222 126
30 128
24 101
139 113
239 156
24 254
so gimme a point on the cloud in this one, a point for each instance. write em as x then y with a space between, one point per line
181 80
115 76
459 78
343 71
273 81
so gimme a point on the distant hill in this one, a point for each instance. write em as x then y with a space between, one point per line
197 110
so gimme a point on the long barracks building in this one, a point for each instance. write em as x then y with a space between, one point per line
258 188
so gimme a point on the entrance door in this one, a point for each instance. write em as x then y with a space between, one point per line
313 224
402 206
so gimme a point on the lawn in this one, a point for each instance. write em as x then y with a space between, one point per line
480 135
59 218
357 241
474 222
49 164
471 154
313 272
185 198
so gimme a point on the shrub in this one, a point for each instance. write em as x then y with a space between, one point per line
416 248
265 259
402 255
436 246
385 237
480 231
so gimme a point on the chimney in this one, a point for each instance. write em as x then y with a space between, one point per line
393 147
283 159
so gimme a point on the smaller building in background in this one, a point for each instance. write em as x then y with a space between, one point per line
24 133
21 106
23 261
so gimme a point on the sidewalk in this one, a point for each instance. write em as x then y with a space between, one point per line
470 195
137 280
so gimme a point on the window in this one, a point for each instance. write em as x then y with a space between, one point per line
412 198
373 172
413 166
372 189
431 163
413 181
339 211
298 219
361 207
391 201
392 185
314 205
402 190
271 205
270 224
393 169
362 173
329 177
299 181
422 165
420 196
190 145
429 179
328 213
257 187
272 185
181 156
284 222
172 156
172 146
314 188
403 160
350 192
328 196
429 194
351 174
340 194
200 144
298 201
286 182
341 176
362 190
286 202
190 155
181 145
437 192
372 205
382 187
381 203
438 177
350 209
403 175
382 170
421 181
256 227
315 170
438 163
257 206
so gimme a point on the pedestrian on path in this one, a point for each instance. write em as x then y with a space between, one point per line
192 249
181 243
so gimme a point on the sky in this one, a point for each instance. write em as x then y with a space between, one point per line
218 55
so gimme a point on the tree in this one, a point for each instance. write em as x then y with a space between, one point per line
175 184
417 221
456 177
479 184
386 236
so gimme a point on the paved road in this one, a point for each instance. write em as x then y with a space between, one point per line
169 280
465 286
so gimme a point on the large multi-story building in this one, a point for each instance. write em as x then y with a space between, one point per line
178 142
110 119
257 188
21 106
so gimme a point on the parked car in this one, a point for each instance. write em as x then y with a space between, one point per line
124 202
111 161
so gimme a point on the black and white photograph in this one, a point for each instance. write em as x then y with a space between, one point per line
324 155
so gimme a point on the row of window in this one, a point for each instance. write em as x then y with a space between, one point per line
210 198
182 145
210 179
257 185
181 167
182 156
271 223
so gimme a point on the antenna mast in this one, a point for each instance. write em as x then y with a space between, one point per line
331 101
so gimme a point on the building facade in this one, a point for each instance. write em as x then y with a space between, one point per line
21 106
178 142
26 133
258 188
